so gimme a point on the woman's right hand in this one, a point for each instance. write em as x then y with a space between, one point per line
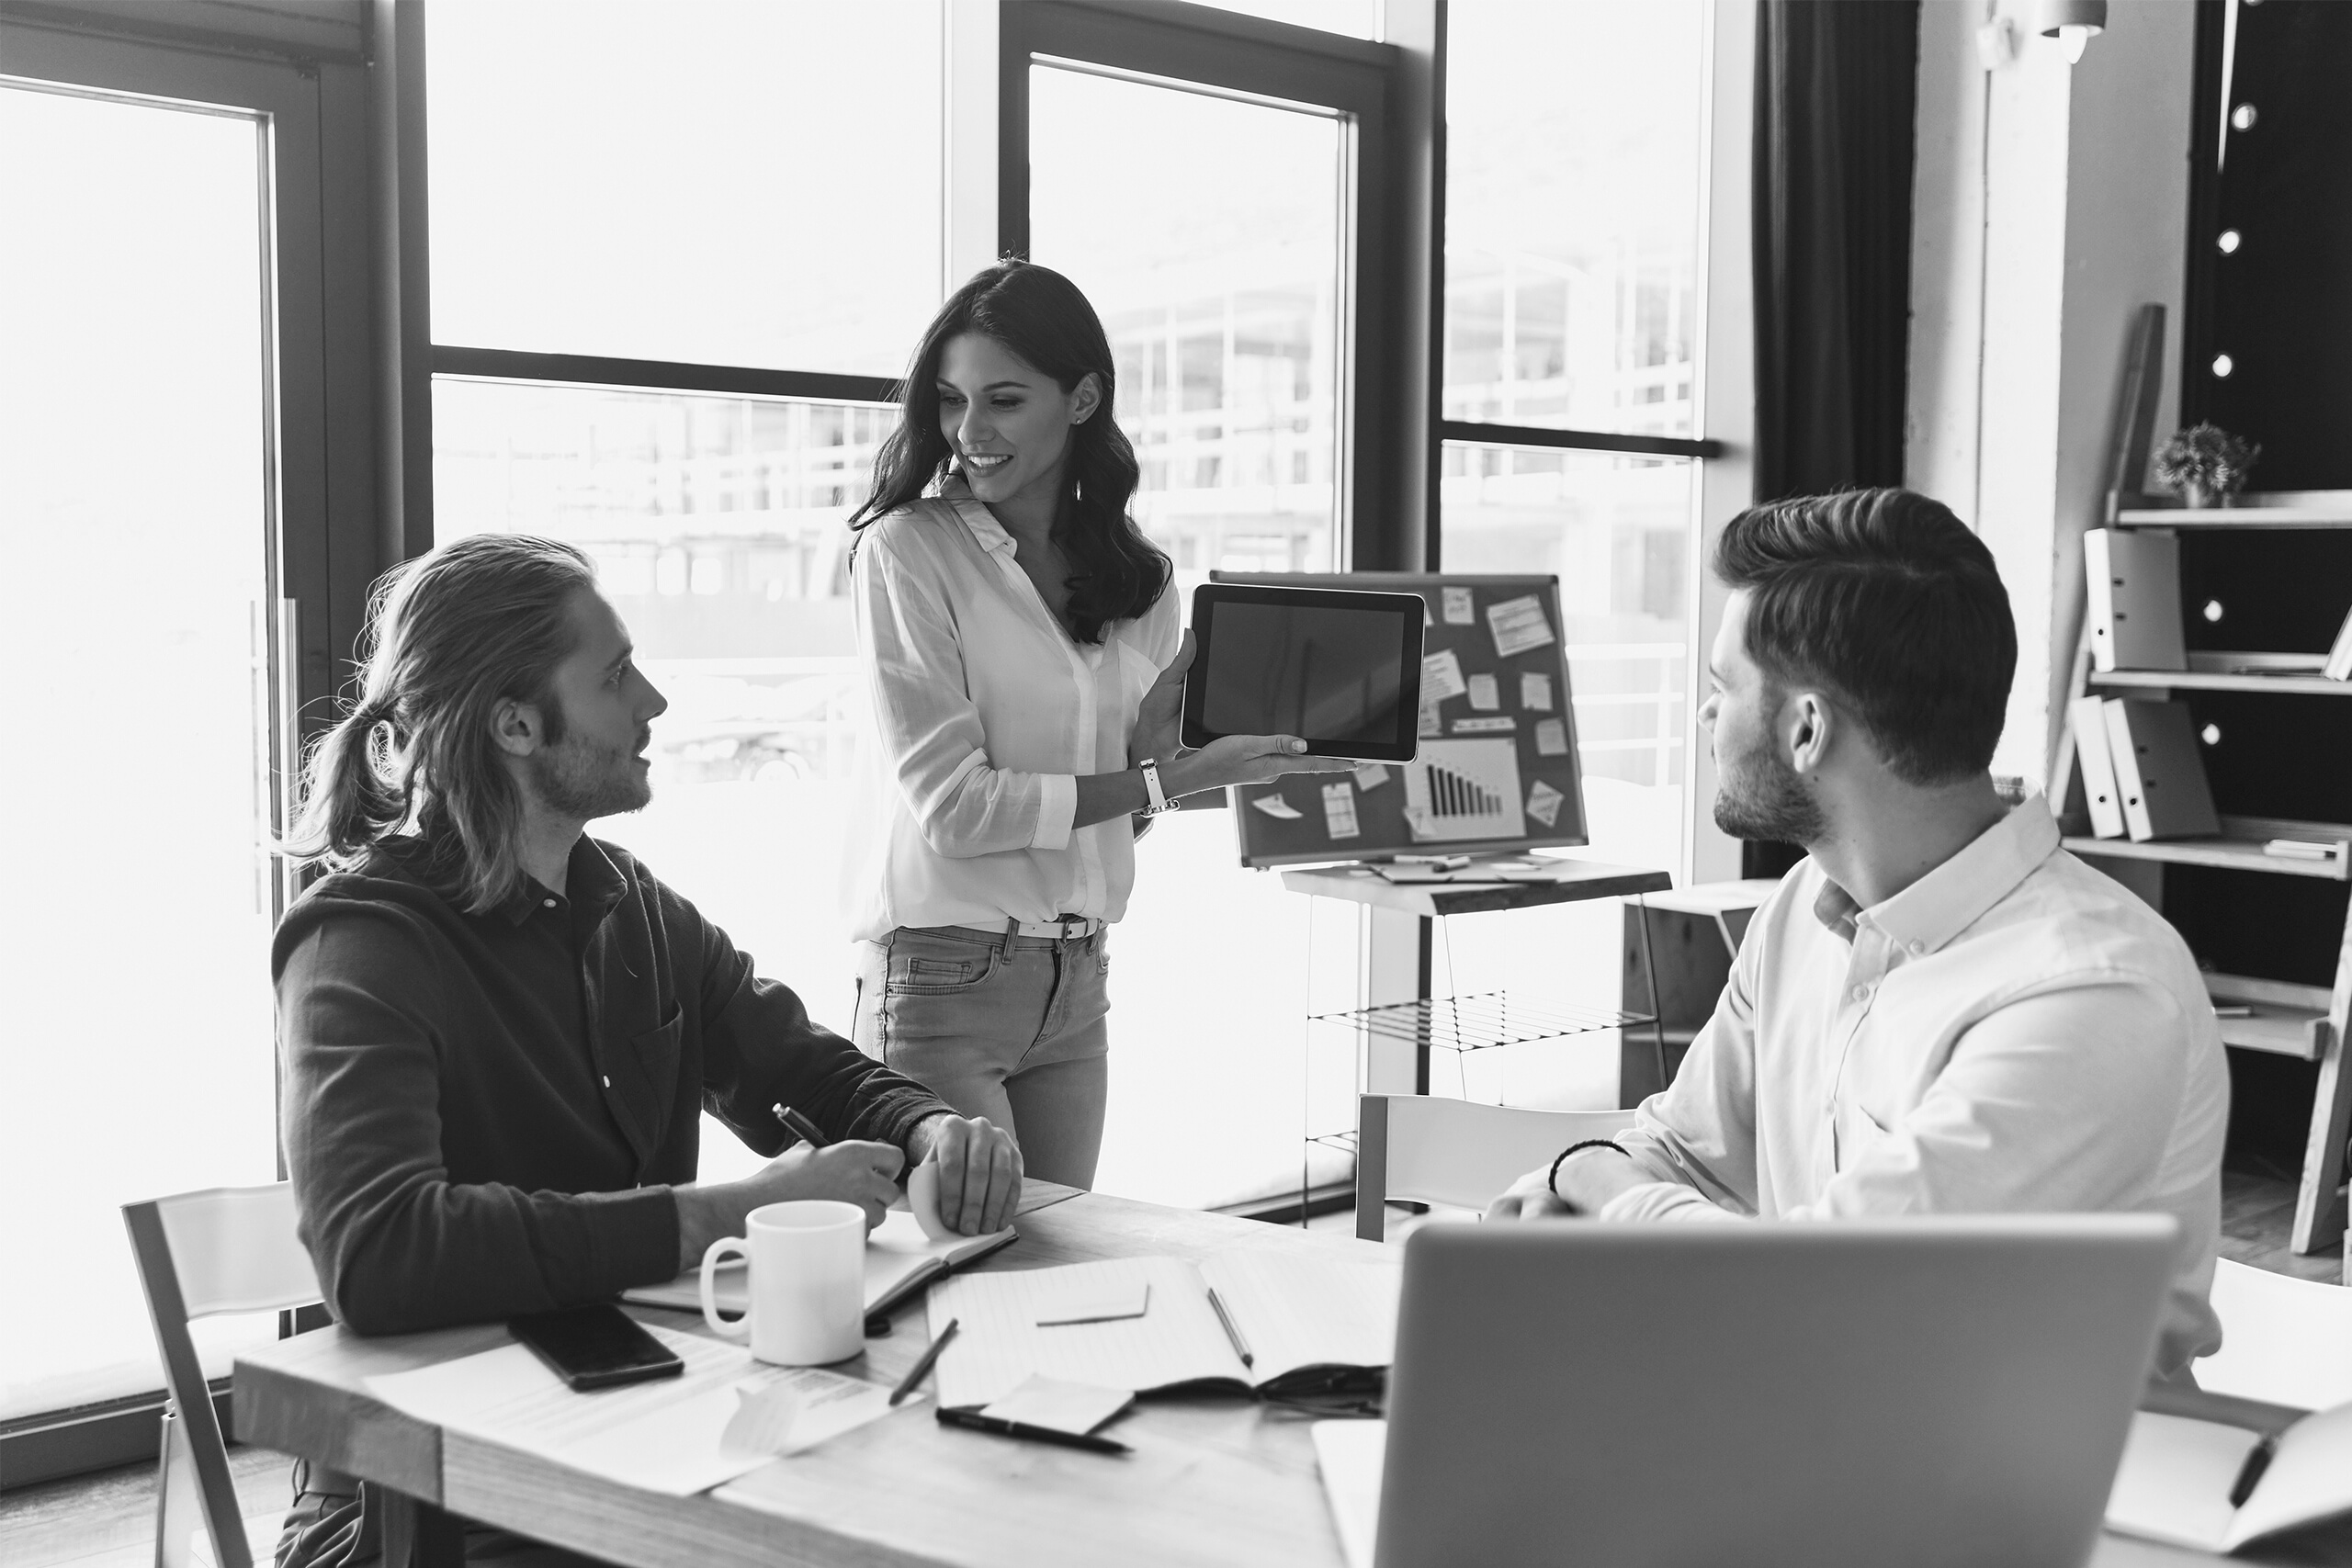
1244 760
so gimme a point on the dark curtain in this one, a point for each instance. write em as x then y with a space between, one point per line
1836 88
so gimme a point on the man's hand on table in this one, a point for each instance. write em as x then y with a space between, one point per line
865 1174
1587 1179
979 1171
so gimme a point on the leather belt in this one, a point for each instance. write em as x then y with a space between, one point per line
1068 927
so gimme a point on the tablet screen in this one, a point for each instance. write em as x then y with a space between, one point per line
1331 668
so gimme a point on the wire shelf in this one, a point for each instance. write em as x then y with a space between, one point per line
1343 1140
1480 1022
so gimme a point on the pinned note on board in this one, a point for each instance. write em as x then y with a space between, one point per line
1485 692
1339 811
1458 612
1535 692
1551 737
1518 626
1441 676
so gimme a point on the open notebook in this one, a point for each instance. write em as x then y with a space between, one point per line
1312 1324
2174 1481
899 1261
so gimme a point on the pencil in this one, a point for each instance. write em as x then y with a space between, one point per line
907 1384
1232 1330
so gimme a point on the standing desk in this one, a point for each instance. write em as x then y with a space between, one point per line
1213 1483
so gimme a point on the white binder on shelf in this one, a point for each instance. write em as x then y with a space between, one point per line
2158 772
2133 579
2088 717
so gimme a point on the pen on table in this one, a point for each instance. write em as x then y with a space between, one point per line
798 1124
2250 1473
1232 1332
974 1421
907 1384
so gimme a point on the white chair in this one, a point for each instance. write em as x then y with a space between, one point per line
2284 1340
1456 1151
226 1250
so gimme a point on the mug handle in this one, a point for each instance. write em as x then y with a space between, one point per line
730 1329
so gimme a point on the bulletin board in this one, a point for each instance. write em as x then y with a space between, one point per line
1497 770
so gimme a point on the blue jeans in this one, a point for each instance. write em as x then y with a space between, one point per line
1012 1028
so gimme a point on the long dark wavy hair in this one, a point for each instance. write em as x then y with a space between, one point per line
1040 317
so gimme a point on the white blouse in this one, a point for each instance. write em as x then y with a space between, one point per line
983 712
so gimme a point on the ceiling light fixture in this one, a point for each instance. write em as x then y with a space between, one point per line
2073 23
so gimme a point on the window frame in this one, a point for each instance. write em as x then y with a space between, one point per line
305 70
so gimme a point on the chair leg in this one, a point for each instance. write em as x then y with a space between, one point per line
416 1534
179 1499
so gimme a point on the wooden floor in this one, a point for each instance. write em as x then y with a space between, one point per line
108 1520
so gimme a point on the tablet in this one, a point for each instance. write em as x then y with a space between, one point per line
1341 670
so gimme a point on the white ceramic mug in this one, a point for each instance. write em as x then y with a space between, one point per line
804 1268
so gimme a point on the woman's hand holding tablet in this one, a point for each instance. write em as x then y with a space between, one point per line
1339 669
1225 760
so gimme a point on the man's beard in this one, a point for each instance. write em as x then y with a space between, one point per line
1759 797
588 782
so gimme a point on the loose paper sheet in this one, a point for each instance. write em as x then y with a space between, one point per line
1073 1407
667 1435
1441 676
1486 693
1457 607
1551 737
1350 1454
1275 806
1339 811
1519 624
1535 692
2174 1483
1369 775
1500 724
1099 1302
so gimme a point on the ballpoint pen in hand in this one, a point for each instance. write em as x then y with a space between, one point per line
798 1124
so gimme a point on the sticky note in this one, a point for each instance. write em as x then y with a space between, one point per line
1094 1303
1485 692
1059 1405
1431 723
1551 737
1502 724
1543 803
1275 806
1442 675
1339 811
1369 775
1518 626
1457 607
1535 692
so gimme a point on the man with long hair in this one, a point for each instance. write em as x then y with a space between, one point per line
498 1033
1940 1010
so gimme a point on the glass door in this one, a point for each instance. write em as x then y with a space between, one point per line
138 441
1209 206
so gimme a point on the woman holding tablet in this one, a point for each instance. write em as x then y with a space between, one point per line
1021 652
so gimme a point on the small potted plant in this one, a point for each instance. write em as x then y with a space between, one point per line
2206 463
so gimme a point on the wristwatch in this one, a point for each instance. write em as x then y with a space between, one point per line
1160 801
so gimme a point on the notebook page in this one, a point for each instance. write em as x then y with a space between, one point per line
2174 1483
1176 1340
2309 1479
896 1249
1299 1310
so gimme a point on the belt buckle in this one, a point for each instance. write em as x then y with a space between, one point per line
1072 926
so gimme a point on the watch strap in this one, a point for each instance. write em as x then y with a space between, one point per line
1160 801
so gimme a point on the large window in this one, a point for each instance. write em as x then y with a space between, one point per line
676 252
163 476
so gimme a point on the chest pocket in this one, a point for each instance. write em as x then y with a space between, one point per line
1856 1131
641 1096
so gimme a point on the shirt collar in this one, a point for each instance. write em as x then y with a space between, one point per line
1954 895
591 881
977 517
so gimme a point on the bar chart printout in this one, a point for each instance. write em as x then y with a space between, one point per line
1464 789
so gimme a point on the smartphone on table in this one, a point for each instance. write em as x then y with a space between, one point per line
596 1347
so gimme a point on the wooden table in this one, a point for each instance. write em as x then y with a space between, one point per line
1213 1483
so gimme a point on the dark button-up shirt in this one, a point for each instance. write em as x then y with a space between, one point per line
483 1113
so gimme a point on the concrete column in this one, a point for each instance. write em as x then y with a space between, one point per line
2050 203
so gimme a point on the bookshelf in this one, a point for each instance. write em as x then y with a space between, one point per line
2269 696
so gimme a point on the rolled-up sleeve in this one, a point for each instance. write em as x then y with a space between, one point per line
1696 1141
929 727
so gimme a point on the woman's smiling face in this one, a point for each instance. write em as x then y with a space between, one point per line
1007 422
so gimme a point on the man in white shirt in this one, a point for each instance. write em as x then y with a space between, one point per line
1940 1012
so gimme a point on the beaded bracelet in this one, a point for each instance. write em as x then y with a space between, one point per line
1552 1179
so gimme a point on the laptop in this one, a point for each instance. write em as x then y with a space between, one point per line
1841 1394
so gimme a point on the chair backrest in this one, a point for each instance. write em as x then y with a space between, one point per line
2284 1340
220 1250
1456 1151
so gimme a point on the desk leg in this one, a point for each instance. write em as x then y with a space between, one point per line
416 1534
1397 969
